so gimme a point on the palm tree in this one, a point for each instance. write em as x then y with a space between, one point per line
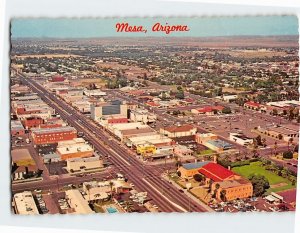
88 188
223 195
263 140
275 148
216 189
111 184
290 141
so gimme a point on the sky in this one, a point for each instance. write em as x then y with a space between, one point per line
199 27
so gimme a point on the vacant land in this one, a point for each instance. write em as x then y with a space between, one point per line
277 183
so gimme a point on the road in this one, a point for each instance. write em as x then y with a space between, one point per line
164 194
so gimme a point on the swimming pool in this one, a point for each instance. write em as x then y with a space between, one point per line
111 210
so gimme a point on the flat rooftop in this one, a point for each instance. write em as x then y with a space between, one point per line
52 130
25 203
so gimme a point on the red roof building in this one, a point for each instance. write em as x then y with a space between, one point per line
32 122
152 104
208 109
57 79
216 172
252 105
117 120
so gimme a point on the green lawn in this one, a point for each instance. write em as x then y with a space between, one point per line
256 168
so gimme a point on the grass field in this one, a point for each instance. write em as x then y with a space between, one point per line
256 168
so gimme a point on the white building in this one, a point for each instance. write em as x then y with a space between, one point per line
84 164
77 202
141 115
240 139
24 203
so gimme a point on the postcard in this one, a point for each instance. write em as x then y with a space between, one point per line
135 115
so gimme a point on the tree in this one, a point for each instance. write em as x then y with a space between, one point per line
179 95
275 112
226 110
287 155
280 136
198 177
179 173
290 141
259 140
223 195
260 184
111 184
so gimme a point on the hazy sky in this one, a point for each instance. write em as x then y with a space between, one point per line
199 27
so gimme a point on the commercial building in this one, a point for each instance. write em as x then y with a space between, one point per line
127 130
24 203
77 202
179 131
84 164
252 105
212 142
52 135
32 122
142 115
225 184
107 110
76 148
240 139
16 128
208 110
283 132
32 108
201 138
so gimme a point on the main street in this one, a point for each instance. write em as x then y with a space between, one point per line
164 194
